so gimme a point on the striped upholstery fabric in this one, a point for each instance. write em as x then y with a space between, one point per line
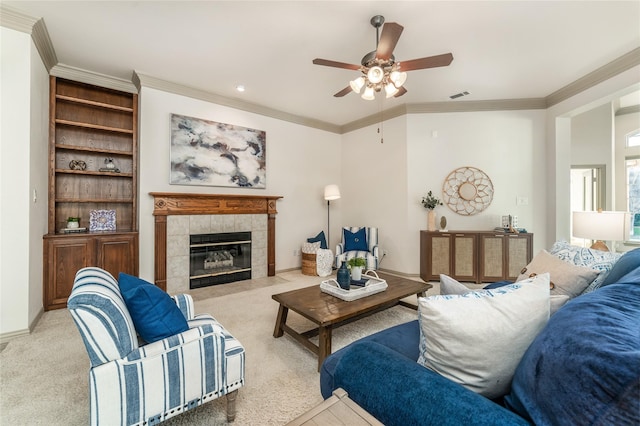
144 385
372 256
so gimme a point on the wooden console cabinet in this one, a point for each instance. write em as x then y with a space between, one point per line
474 256
89 127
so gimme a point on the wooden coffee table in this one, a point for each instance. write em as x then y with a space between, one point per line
330 312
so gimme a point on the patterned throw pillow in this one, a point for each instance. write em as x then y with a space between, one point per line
595 259
310 248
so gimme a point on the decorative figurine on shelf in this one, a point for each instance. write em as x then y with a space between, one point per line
109 166
443 224
77 165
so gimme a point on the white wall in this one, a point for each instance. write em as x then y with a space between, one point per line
374 182
384 183
38 180
592 143
300 162
23 146
508 146
558 140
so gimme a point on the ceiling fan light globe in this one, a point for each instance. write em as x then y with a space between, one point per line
375 74
390 89
398 78
368 94
357 84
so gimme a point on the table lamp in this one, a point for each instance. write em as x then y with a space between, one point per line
599 226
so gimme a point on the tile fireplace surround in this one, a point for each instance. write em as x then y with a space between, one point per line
178 215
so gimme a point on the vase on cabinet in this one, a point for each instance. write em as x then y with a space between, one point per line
343 276
431 220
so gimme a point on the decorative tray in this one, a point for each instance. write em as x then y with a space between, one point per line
372 285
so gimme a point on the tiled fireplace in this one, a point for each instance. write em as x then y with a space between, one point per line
178 217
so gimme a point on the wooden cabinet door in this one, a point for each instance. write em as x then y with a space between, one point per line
118 253
464 258
492 257
63 257
519 251
435 253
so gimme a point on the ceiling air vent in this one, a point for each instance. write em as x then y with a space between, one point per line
459 95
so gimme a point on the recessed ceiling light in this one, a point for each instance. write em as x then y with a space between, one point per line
240 88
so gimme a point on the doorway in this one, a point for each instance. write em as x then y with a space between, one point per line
588 192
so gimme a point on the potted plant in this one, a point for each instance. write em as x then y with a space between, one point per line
73 222
356 264
430 202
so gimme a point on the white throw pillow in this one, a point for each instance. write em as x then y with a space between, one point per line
477 339
449 285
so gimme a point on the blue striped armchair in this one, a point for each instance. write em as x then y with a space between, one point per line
368 249
135 384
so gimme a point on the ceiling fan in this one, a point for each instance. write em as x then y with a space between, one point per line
379 68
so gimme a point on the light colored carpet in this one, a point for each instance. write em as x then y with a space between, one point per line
44 376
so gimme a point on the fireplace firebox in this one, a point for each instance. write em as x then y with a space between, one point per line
219 258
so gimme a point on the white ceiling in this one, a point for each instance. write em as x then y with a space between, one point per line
502 49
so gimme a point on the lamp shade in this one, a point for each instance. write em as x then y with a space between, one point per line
331 192
605 226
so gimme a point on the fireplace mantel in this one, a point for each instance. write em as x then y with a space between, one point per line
168 203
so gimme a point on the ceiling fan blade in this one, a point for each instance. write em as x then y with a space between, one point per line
343 92
335 64
429 62
401 91
388 40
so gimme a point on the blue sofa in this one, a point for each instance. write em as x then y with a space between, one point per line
583 368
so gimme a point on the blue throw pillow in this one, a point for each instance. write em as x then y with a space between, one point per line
355 240
583 367
320 237
627 263
154 313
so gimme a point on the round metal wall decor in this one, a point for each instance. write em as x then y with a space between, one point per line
467 191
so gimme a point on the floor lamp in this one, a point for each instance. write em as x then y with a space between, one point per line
331 192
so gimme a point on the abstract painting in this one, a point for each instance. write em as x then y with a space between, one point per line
216 154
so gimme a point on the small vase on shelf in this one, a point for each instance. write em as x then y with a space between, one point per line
431 220
343 276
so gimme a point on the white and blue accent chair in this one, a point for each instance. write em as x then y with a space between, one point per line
144 384
359 242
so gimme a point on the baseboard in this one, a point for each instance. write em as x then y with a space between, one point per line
7 337
399 274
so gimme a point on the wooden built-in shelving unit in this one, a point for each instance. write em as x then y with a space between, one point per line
90 124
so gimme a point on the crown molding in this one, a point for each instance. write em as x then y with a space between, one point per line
15 20
372 119
472 106
628 110
144 80
439 107
89 77
605 72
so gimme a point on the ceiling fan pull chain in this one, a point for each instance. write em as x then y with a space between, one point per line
381 127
